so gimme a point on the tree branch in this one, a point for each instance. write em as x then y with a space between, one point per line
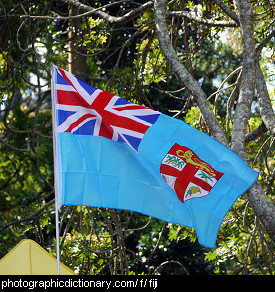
247 87
12 147
253 135
265 105
262 206
183 75
201 20
82 8
30 217
228 11
264 42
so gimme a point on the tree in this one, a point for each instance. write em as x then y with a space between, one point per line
207 62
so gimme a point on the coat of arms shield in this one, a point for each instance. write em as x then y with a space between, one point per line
188 175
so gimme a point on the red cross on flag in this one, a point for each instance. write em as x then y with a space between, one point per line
188 175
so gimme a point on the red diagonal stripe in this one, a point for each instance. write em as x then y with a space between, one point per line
69 81
80 120
127 107
70 98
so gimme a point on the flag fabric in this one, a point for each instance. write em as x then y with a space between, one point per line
113 153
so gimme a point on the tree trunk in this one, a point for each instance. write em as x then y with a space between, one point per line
76 55
260 203
183 75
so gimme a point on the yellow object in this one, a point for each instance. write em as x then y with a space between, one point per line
194 190
29 258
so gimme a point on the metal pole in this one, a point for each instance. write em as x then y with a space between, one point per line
53 77
57 238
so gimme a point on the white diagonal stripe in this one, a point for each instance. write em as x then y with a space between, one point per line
64 87
82 123
89 98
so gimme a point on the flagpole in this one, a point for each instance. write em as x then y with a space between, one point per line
55 172
57 237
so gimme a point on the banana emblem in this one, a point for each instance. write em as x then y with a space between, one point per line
193 190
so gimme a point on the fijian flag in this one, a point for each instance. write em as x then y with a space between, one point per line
116 154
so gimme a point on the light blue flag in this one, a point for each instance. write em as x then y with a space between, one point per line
115 154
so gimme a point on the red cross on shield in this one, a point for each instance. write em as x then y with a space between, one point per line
188 175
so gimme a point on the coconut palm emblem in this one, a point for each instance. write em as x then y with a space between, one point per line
188 175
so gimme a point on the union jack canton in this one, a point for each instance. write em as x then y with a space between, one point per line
85 110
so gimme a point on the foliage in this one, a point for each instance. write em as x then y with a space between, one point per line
152 62
93 38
